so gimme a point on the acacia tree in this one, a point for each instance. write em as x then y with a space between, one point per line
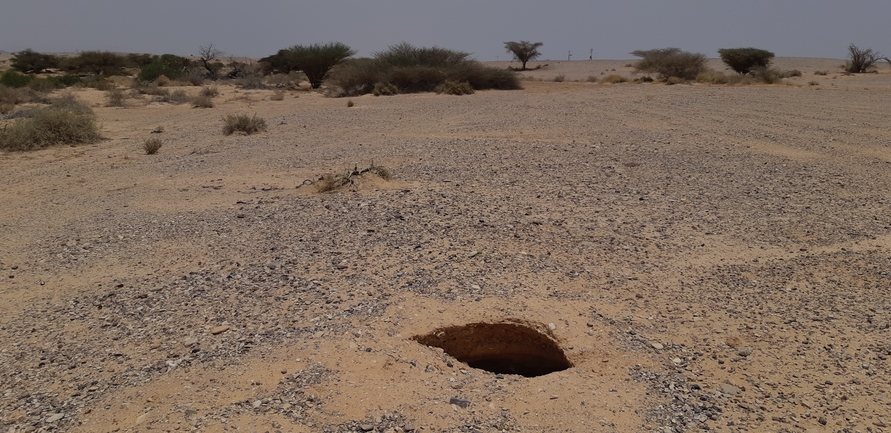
862 60
743 60
31 61
670 62
523 51
314 60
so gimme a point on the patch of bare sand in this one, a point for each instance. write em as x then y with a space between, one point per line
710 257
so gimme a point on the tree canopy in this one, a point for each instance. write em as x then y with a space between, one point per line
523 51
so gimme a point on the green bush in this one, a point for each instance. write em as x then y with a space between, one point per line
450 87
742 60
243 123
14 79
33 62
96 62
314 60
670 62
412 69
65 121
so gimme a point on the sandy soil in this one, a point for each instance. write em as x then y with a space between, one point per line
707 257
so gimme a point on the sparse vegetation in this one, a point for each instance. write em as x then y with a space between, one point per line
560 78
330 182
670 62
207 55
862 60
450 87
202 101
523 51
115 98
350 103
592 79
278 95
168 65
743 60
65 121
243 123
96 62
151 146
793 73
614 79
813 83
314 60
821 72
210 92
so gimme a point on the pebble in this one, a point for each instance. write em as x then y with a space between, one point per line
729 389
552 326
191 341
219 330
657 346
53 417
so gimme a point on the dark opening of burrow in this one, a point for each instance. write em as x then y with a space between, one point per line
506 348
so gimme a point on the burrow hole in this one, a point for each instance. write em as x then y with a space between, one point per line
506 348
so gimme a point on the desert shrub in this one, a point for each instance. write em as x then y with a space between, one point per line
18 95
210 92
591 79
34 62
821 72
560 78
115 98
96 62
193 77
250 82
14 79
414 69
151 146
243 123
314 60
793 73
643 80
350 103
742 60
450 87
614 79
670 62
65 121
179 97
66 80
278 95
168 65
162 81
523 51
6 108
768 75
716 77
202 101
149 88
674 80
384 89
97 82
813 83
861 60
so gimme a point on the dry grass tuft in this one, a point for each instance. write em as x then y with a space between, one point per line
210 92
115 98
151 146
278 95
202 101
614 79
243 123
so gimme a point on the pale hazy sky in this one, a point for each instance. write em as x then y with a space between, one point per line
799 28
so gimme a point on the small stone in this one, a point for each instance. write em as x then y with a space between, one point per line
744 351
657 346
257 403
822 420
191 341
729 389
552 326
219 329
472 254
53 417
353 345
460 402
366 427
141 419
554 397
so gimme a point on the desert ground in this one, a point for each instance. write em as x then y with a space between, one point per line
707 257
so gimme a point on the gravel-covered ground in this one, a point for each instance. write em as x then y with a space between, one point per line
709 258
